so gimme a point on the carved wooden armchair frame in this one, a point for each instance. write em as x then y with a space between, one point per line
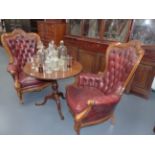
79 117
12 68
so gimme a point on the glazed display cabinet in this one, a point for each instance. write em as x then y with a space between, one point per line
88 39
144 30
28 25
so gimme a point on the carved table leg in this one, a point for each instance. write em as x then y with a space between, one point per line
45 99
61 95
55 95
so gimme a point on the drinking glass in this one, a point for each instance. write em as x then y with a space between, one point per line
63 63
69 61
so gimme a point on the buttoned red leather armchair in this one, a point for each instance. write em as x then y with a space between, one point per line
20 46
94 97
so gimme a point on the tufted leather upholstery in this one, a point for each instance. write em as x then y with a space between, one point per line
105 89
119 65
20 47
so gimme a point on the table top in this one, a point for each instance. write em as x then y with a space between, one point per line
54 75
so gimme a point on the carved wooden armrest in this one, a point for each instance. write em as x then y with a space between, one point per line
85 112
12 69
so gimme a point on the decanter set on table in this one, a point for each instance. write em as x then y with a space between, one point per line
52 58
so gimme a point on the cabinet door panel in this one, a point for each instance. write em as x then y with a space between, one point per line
73 51
101 62
143 79
60 32
143 30
88 60
116 29
40 27
142 75
92 28
75 27
51 31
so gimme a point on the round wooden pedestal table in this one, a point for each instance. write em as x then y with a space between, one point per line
52 78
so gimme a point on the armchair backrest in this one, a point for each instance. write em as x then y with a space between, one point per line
20 46
122 60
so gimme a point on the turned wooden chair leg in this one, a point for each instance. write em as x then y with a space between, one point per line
77 126
20 95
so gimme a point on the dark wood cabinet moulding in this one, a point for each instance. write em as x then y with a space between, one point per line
87 44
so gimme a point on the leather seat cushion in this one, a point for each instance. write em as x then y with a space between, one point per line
78 97
28 81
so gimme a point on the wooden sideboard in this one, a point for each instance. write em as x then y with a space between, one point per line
91 54
51 30
145 74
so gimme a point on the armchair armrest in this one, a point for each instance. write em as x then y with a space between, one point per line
12 69
89 80
84 113
111 100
